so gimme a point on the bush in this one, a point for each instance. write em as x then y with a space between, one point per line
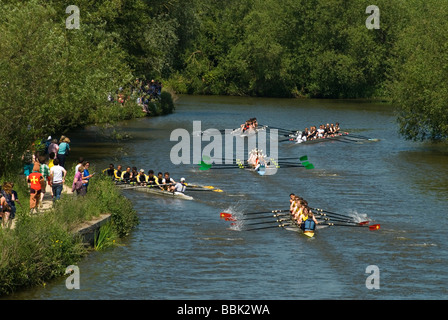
40 247
166 103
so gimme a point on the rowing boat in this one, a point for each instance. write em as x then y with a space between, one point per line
156 190
264 170
296 228
318 140
248 132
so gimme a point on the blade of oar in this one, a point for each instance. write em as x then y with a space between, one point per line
372 227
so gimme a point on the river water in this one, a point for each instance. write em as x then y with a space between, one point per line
183 250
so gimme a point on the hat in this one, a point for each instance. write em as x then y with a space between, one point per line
141 170
182 179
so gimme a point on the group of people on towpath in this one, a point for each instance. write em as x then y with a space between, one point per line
44 165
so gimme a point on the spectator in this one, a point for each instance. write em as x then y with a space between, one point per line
45 171
86 177
6 193
64 149
53 148
57 177
35 179
78 181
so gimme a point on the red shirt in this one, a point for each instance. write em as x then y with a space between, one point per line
35 178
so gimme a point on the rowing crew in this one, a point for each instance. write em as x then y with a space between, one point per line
256 159
301 213
139 178
313 133
249 125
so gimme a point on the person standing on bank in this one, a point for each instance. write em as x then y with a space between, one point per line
86 177
63 151
57 178
36 181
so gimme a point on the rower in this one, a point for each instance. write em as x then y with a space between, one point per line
328 131
180 187
159 180
168 181
118 172
321 131
336 127
110 171
134 175
141 178
126 175
151 179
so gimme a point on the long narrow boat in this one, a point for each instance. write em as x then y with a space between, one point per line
318 140
156 190
238 132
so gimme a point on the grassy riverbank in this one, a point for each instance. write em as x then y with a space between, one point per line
41 246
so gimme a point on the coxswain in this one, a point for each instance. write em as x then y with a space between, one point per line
307 220
179 187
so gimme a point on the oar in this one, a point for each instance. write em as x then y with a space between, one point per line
342 220
233 218
266 222
332 213
195 187
259 212
276 226
372 227
282 129
357 136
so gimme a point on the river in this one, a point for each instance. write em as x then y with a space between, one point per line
183 250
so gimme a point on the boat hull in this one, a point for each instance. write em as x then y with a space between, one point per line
154 190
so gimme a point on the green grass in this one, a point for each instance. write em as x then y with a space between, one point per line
42 246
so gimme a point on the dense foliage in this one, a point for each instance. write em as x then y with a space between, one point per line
52 78
41 246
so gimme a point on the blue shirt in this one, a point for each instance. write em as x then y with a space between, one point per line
86 173
63 147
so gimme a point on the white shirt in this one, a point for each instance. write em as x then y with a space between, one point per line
179 187
58 173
